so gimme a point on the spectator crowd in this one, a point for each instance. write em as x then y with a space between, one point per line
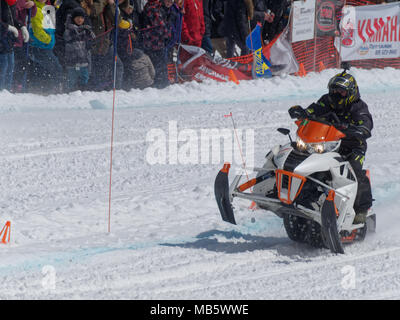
56 46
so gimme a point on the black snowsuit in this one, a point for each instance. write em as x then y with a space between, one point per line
62 13
77 43
217 17
207 7
7 17
236 24
354 146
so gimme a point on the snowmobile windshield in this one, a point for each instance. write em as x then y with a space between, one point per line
317 137
311 131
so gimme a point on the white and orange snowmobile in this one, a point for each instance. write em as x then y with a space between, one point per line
307 183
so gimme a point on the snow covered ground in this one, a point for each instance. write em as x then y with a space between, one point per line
167 239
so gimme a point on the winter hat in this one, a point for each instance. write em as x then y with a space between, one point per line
11 2
78 12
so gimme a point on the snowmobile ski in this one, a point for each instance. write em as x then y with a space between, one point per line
221 190
329 229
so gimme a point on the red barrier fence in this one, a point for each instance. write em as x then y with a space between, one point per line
320 52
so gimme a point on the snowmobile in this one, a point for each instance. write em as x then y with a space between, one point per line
305 182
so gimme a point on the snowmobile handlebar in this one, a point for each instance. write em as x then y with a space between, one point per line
331 118
347 128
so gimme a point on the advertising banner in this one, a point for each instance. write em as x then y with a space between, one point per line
370 32
325 17
303 20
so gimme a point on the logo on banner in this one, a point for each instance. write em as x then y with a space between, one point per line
262 64
363 50
261 67
347 26
348 39
326 16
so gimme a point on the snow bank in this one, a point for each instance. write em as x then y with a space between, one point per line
210 92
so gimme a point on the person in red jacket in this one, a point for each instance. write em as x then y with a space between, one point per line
193 23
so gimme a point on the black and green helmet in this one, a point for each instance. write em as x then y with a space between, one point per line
347 82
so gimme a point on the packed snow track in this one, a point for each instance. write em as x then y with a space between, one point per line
167 239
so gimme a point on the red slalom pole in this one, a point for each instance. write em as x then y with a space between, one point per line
111 160
113 112
230 115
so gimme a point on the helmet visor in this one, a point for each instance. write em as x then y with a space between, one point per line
339 90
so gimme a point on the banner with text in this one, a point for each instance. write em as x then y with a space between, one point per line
303 20
370 32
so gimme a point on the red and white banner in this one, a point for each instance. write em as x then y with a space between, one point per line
198 65
370 32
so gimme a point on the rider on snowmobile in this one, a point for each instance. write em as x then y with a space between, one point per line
355 122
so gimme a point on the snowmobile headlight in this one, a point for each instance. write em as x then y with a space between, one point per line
301 145
318 147
322 147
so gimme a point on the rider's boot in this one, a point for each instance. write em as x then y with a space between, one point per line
361 217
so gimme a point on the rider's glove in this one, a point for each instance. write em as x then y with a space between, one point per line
297 112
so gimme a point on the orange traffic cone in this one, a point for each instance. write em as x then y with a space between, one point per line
302 71
321 66
6 230
232 77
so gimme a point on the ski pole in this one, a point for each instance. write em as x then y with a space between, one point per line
113 111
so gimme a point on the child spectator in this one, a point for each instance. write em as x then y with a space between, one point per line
126 42
141 70
65 9
77 36
126 37
138 69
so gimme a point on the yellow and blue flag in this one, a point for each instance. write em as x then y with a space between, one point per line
261 64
